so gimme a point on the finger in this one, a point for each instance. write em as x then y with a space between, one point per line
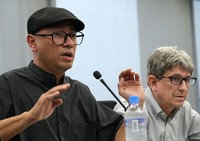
59 88
48 97
54 95
54 92
125 73
130 76
137 76
120 84
56 103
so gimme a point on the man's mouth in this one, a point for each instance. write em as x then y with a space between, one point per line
68 54
180 97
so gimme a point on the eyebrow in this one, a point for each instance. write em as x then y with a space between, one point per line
178 75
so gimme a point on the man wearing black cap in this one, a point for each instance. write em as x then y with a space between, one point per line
40 103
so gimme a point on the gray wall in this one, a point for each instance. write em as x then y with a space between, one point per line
166 22
196 11
14 51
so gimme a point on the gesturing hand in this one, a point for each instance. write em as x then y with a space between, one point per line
130 84
47 103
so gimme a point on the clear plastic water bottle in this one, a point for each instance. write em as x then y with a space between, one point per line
135 121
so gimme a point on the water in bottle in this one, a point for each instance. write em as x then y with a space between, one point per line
135 121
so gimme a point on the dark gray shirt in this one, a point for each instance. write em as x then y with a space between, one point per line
79 118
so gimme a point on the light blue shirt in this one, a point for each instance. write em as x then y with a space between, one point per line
181 125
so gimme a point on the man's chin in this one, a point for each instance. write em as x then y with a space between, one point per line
179 104
64 67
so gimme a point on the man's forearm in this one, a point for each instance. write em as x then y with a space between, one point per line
12 126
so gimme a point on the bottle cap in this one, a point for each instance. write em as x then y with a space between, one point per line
134 99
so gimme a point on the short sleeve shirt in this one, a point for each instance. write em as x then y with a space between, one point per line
79 118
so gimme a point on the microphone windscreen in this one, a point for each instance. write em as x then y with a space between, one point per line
97 74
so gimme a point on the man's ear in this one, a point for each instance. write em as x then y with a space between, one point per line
32 42
152 81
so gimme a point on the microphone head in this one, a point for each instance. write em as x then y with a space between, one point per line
97 74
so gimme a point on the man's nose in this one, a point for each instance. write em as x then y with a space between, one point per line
183 85
68 42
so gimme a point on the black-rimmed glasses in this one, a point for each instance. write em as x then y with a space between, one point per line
60 37
176 80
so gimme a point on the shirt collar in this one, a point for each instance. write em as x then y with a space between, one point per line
154 106
44 77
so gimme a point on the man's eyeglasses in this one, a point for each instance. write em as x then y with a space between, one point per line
60 37
175 80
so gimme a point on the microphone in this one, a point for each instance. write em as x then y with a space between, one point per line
98 75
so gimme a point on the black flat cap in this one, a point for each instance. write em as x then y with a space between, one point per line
49 16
